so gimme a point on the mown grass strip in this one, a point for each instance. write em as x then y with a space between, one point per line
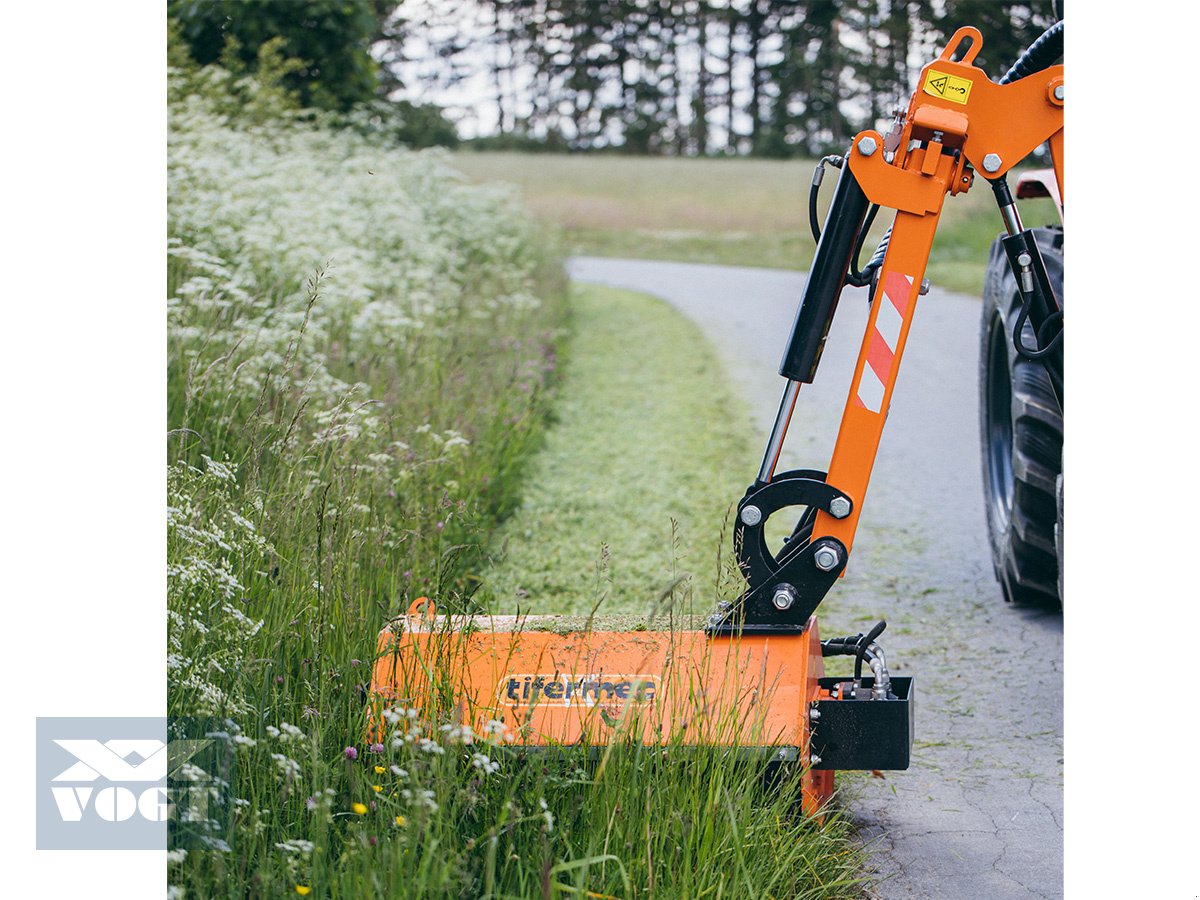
631 488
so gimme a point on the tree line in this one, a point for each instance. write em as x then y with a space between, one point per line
680 77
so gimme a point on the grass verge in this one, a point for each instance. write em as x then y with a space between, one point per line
362 354
637 473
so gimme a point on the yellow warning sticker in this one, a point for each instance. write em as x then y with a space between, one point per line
948 87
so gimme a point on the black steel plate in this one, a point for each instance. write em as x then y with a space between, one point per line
865 734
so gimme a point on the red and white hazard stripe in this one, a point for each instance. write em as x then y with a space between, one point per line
881 351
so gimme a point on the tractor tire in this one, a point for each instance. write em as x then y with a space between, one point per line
1021 433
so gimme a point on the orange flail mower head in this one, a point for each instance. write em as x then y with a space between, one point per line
557 681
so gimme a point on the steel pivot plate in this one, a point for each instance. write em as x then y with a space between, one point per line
783 590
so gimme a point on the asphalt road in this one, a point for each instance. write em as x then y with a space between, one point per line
979 813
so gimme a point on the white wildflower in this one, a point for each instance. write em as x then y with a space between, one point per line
192 773
222 471
428 746
484 763
458 733
286 765
420 798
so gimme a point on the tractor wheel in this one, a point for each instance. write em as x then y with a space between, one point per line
1021 431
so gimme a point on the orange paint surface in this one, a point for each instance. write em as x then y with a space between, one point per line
657 687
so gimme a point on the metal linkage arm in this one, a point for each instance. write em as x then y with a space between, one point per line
958 121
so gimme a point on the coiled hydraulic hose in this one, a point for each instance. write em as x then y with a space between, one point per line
1041 54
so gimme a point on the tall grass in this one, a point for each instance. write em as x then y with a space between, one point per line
363 349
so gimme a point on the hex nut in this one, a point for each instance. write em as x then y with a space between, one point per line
992 163
839 507
751 515
867 146
784 597
826 558
1059 93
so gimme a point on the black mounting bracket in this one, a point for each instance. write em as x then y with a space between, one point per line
783 591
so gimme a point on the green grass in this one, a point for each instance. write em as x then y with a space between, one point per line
749 212
638 471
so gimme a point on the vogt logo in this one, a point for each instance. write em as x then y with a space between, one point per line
102 784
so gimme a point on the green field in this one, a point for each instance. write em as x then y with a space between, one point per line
750 212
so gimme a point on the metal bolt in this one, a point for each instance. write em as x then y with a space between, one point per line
1058 92
814 714
785 596
889 156
992 163
827 558
814 760
867 146
839 507
751 515
924 287
1024 260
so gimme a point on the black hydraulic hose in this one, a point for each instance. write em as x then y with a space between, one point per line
843 646
814 191
864 644
1042 54
812 208
862 277
1046 349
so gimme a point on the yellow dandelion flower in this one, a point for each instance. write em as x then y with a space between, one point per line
377 788
303 890
360 808
401 821
379 770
